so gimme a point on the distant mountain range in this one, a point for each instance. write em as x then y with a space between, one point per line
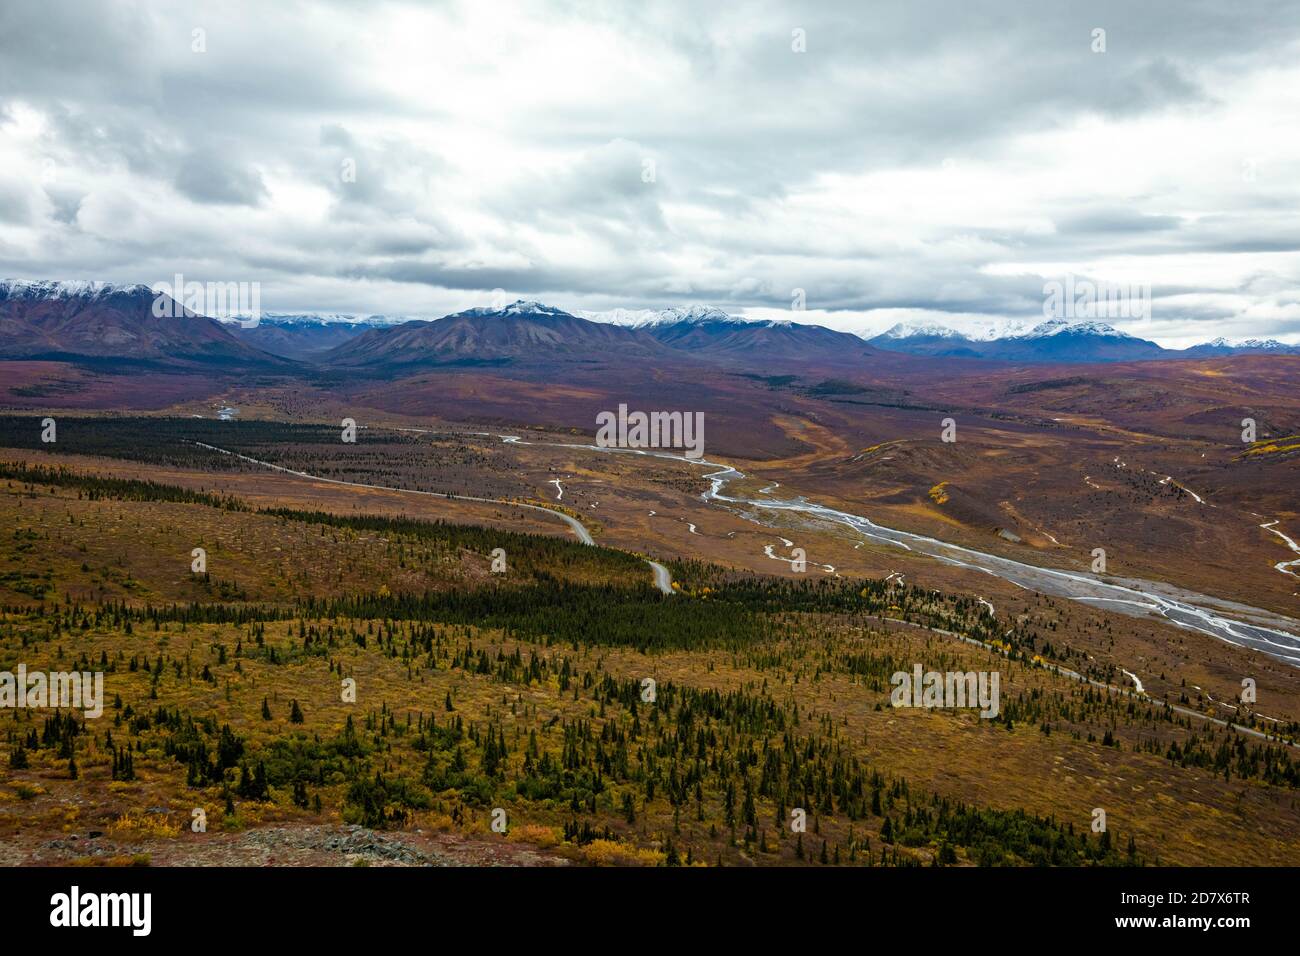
710 331
305 337
705 330
98 320
526 331
1221 346
642 318
1055 341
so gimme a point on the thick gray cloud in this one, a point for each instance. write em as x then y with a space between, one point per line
14 207
909 158
208 177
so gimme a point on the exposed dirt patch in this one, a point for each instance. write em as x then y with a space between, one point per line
305 845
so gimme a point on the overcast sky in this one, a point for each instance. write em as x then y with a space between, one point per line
916 159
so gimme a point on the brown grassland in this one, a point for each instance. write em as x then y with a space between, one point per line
525 691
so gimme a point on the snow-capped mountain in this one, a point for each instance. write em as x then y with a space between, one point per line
1071 327
1005 329
326 318
51 289
999 329
527 331
924 337
705 330
520 307
1222 346
523 332
57 317
1055 340
102 320
641 318
922 329
1267 345
304 336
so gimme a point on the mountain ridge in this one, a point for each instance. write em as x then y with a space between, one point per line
104 319
50 319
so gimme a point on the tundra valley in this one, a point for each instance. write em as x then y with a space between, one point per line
414 600
649 471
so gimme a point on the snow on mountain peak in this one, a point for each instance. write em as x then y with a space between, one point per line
986 331
639 318
1002 329
1073 327
528 307
518 307
908 330
698 313
63 289
323 318
1226 346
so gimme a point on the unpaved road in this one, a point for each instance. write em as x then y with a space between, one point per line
662 579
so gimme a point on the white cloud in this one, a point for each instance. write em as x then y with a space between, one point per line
920 159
